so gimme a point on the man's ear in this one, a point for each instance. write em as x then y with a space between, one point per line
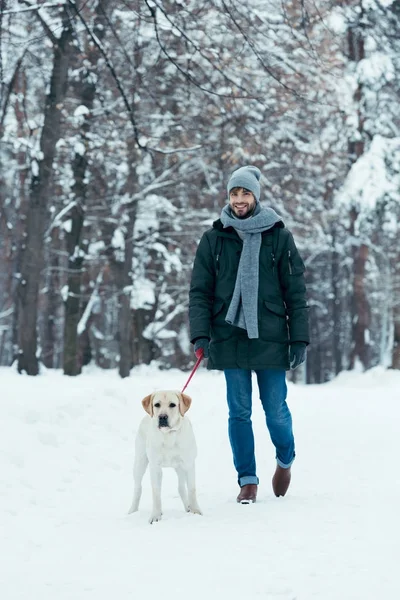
184 403
147 404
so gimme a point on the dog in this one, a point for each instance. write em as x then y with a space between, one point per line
165 439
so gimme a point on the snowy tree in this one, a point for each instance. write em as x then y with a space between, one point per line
40 188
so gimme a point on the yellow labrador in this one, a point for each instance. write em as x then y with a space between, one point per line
165 439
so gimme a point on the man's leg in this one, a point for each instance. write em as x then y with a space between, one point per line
238 386
273 391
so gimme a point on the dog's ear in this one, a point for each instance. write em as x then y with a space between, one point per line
184 403
148 404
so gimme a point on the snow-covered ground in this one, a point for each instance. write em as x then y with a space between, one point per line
66 452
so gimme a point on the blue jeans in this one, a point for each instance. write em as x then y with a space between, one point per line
273 391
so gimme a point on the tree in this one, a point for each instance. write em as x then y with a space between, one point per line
84 92
39 193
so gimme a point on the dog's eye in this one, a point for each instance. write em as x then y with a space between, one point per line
157 405
172 405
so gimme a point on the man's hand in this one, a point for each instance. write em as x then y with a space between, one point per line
201 347
297 354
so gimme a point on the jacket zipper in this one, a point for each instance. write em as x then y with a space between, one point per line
273 263
290 263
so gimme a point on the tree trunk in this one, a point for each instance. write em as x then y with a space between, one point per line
396 345
336 308
21 203
32 245
143 350
122 271
123 277
395 363
356 147
86 92
48 321
125 335
73 301
361 312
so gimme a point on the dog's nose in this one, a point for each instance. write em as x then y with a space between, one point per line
163 421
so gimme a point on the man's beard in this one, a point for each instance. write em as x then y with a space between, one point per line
247 215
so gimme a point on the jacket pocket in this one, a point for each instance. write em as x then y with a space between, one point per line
295 262
277 309
273 324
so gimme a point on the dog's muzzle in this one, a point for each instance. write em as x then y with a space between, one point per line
163 421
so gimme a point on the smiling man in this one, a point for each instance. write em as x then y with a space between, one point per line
248 313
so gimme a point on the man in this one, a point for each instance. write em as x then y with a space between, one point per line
248 312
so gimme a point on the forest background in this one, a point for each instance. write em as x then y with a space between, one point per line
120 122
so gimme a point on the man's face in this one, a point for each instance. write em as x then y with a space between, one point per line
242 202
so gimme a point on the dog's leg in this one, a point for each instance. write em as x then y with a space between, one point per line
139 469
191 481
182 487
156 481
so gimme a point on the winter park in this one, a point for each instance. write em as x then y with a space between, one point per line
199 299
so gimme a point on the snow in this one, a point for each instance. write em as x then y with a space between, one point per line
142 293
64 292
336 21
80 114
93 306
81 110
369 180
149 210
171 261
79 148
66 452
67 225
118 243
376 67
96 248
57 220
35 168
373 4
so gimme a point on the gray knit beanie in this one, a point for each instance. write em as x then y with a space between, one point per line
246 177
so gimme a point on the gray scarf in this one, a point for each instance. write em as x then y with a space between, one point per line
243 309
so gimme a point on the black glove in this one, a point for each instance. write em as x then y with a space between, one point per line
297 354
201 347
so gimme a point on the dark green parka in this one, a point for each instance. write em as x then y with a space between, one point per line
282 304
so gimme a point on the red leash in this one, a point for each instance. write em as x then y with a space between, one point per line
196 366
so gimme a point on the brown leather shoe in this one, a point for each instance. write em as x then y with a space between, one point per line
281 480
248 494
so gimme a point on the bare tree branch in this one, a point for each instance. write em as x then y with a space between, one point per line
201 53
45 26
8 91
130 109
185 73
29 8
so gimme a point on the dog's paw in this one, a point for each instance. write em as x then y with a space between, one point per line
196 510
154 518
134 507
